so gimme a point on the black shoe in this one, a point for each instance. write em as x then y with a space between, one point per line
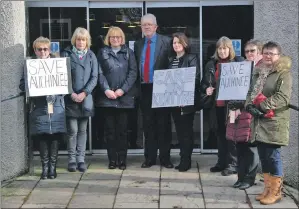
72 167
237 184
82 167
227 172
185 167
216 168
177 167
166 163
112 165
148 164
122 165
245 185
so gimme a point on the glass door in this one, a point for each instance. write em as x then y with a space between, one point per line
125 15
180 17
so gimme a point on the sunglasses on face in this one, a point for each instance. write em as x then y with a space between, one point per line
42 49
250 50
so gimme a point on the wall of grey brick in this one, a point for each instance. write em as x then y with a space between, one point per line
12 52
278 21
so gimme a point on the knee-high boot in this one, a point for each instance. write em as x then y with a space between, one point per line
44 156
53 158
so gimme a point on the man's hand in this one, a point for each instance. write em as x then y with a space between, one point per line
254 111
110 94
81 96
119 92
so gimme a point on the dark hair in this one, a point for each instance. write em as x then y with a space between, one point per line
271 45
183 40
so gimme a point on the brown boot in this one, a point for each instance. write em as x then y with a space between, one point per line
274 194
266 187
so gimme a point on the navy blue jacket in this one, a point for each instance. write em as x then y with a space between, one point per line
117 71
40 122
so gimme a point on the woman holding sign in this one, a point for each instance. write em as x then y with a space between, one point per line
184 116
238 128
227 154
268 102
46 117
118 73
79 104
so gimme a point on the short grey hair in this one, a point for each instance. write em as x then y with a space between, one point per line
149 16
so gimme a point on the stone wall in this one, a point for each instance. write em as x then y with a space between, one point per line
12 52
278 21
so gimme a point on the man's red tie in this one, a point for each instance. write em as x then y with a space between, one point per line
146 66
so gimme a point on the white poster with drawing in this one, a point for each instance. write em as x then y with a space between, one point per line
173 87
234 81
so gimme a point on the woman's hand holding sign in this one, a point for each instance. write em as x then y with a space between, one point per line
210 91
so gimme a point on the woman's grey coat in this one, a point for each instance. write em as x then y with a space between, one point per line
84 79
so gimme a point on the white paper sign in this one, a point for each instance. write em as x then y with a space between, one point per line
47 77
173 87
234 81
131 45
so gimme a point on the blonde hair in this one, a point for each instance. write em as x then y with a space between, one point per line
225 41
114 31
81 33
41 40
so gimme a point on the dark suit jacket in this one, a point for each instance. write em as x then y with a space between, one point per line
162 52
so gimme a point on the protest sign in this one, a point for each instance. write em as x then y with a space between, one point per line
48 76
234 80
173 87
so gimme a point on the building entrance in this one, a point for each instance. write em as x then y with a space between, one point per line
202 21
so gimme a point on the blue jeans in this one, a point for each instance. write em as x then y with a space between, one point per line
76 134
270 159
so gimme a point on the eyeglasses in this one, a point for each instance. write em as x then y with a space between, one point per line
269 54
42 49
147 24
115 37
250 50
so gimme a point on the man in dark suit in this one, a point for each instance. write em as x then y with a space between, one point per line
152 54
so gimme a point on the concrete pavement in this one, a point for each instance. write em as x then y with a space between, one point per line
155 187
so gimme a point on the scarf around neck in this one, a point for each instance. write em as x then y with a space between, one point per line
79 53
263 73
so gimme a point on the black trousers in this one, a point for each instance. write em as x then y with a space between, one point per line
155 126
248 160
227 151
115 123
184 129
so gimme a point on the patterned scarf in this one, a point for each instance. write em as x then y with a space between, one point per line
79 53
263 73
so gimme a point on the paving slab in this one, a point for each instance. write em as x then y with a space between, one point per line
92 201
69 180
139 195
59 196
182 201
102 174
224 197
18 188
43 206
136 205
12 201
97 187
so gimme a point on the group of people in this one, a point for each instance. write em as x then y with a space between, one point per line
260 124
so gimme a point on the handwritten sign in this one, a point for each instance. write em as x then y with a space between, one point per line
173 87
48 76
234 80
